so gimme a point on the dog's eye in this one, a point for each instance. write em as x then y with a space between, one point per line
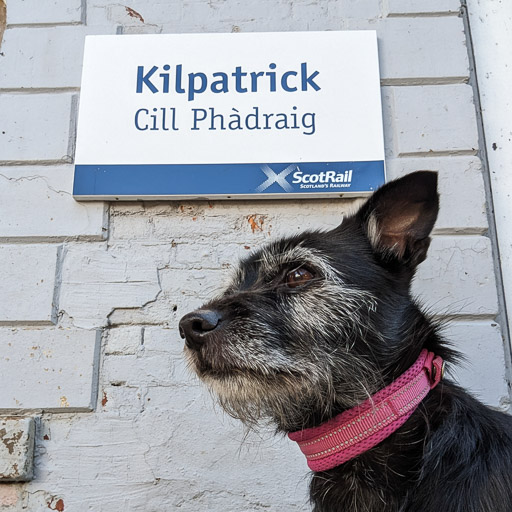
298 277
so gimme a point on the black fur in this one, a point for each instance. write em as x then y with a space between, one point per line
453 455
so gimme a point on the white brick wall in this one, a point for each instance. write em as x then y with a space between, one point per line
74 272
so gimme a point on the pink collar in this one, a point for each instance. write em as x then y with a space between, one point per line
357 430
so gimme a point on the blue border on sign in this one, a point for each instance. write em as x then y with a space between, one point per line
228 179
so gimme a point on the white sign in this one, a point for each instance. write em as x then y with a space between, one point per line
229 115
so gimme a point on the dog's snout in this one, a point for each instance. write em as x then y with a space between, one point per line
196 325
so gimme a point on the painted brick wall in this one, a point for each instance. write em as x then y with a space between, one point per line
90 293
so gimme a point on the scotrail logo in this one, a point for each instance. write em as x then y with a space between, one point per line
305 180
280 178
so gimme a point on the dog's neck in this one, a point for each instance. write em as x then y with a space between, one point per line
372 479
379 478
363 427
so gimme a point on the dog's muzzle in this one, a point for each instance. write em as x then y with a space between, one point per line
196 326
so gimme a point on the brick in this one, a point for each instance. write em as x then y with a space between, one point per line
95 282
28 282
125 225
483 371
35 127
461 188
420 7
168 341
223 222
367 10
59 368
178 400
410 48
124 341
187 227
159 339
58 214
196 256
16 449
165 311
431 119
136 370
27 53
305 16
195 283
457 278
159 361
121 399
54 11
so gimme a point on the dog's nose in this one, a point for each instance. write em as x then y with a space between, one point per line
196 325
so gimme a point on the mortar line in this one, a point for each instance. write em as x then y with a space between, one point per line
26 323
19 163
97 362
83 17
451 319
72 127
32 240
419 81
38 90
45 25
58 283
450 152
435 14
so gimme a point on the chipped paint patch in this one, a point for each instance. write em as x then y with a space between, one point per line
134 14
256 222
16 449
56 504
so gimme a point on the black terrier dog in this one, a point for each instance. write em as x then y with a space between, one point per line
318 333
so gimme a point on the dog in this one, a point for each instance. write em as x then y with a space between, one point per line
318 334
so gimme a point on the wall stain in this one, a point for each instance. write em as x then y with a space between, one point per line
134 14
58 505
3 20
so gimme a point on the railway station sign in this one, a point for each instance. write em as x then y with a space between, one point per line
228 116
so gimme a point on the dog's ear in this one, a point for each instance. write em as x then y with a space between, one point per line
399 217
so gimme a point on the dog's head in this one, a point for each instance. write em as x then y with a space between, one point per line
313 324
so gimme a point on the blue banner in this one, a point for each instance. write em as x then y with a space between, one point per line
207 180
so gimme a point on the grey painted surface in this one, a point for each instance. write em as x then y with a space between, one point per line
154 441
